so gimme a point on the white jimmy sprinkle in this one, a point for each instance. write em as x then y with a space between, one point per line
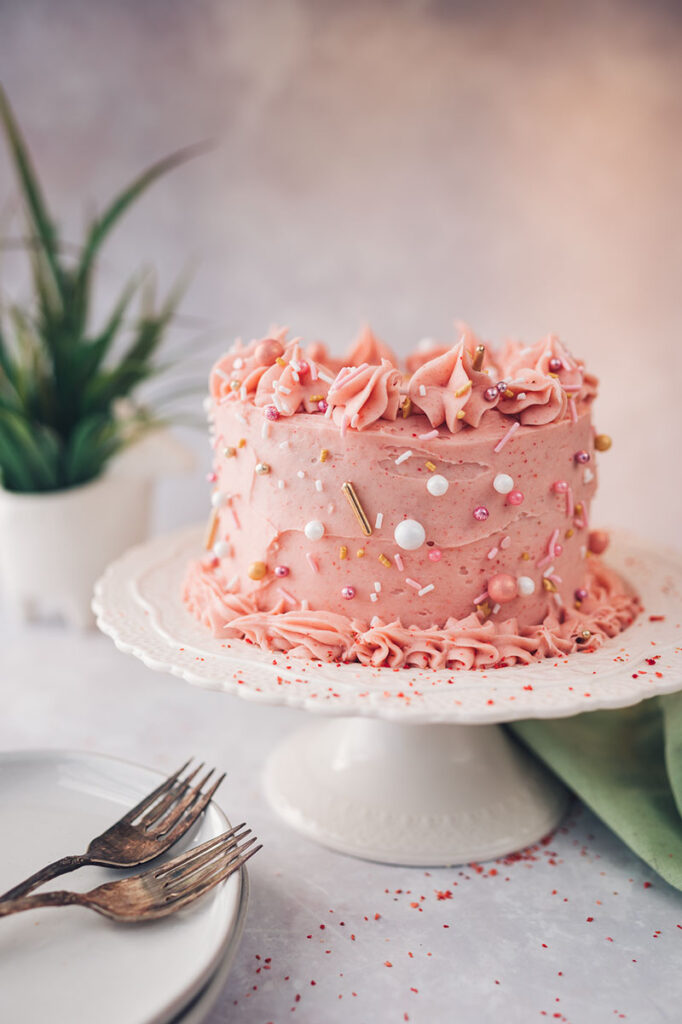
325 377
427 589
301 474
284 445
548 572
295 365
318 485
496 608
522 396
305 606
281 484
233 582
377 586
404 457
283 389
379 520
221 373
422 390
242 392
242 418
374 597
238 363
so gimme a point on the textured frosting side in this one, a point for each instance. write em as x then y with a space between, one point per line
460 644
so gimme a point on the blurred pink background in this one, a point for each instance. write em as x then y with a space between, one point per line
515 166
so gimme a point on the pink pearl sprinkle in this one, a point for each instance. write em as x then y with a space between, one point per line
348 593
554 365
281 570
558 548
303 368
211 477
515 497
502 588
560 486
271 412
582 457
581 594
435 555
491 393
481 513
322 405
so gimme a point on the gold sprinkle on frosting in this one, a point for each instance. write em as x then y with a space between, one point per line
479 357
430 466
324 455
463 390
211 529
360 553
229 452
406 407
343 551
241 443
358 510
385 561
460 415
280 361
569 533
549 585
485 609
525 556
602 442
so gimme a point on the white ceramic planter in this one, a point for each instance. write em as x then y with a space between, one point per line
54 546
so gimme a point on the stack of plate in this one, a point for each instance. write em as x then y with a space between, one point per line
70 964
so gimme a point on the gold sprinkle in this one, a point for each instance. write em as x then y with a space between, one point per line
548 585
553 375
211 529
525 556
602 442
430 466
484 609
406 407
385 561
262 468
579 508
463 390
257 570
569 533
324 455
280 361
583 637
357 508
509 393
460 415
360 553
229 452
479 357
343 551
241 443
316 398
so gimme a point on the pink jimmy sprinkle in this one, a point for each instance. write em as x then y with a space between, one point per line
505 542
570 504
329 410
481 597
398 561
236 518
573 410
427 437
312 562
555 579
491 554
545 560
552 543
344 425
313 369
286 595
413 583
568 388
510 433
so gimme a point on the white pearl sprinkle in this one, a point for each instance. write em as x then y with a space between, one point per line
221 549
503 483
437 485
218 499
409 535
525 585
314 530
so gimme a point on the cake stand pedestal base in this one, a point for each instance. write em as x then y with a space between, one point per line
430 795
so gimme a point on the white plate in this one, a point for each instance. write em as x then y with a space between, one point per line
70 964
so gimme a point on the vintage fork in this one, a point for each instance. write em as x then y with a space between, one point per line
158 891
171 809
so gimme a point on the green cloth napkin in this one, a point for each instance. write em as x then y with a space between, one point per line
627 767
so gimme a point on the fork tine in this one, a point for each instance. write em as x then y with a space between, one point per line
183 800
196 851
192 864
154 795
190 812
199 875
185 897
174 794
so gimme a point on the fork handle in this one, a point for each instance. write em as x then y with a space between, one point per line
57 867
60 898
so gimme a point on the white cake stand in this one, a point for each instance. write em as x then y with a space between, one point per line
416 772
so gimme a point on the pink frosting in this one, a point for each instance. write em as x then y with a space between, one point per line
537 398
460 644
292 386
361 396
368 349
441 388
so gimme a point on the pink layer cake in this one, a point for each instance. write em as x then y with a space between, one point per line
437 516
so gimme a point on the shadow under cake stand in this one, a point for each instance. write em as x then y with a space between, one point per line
407 766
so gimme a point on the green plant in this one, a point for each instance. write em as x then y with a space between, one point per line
67 392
